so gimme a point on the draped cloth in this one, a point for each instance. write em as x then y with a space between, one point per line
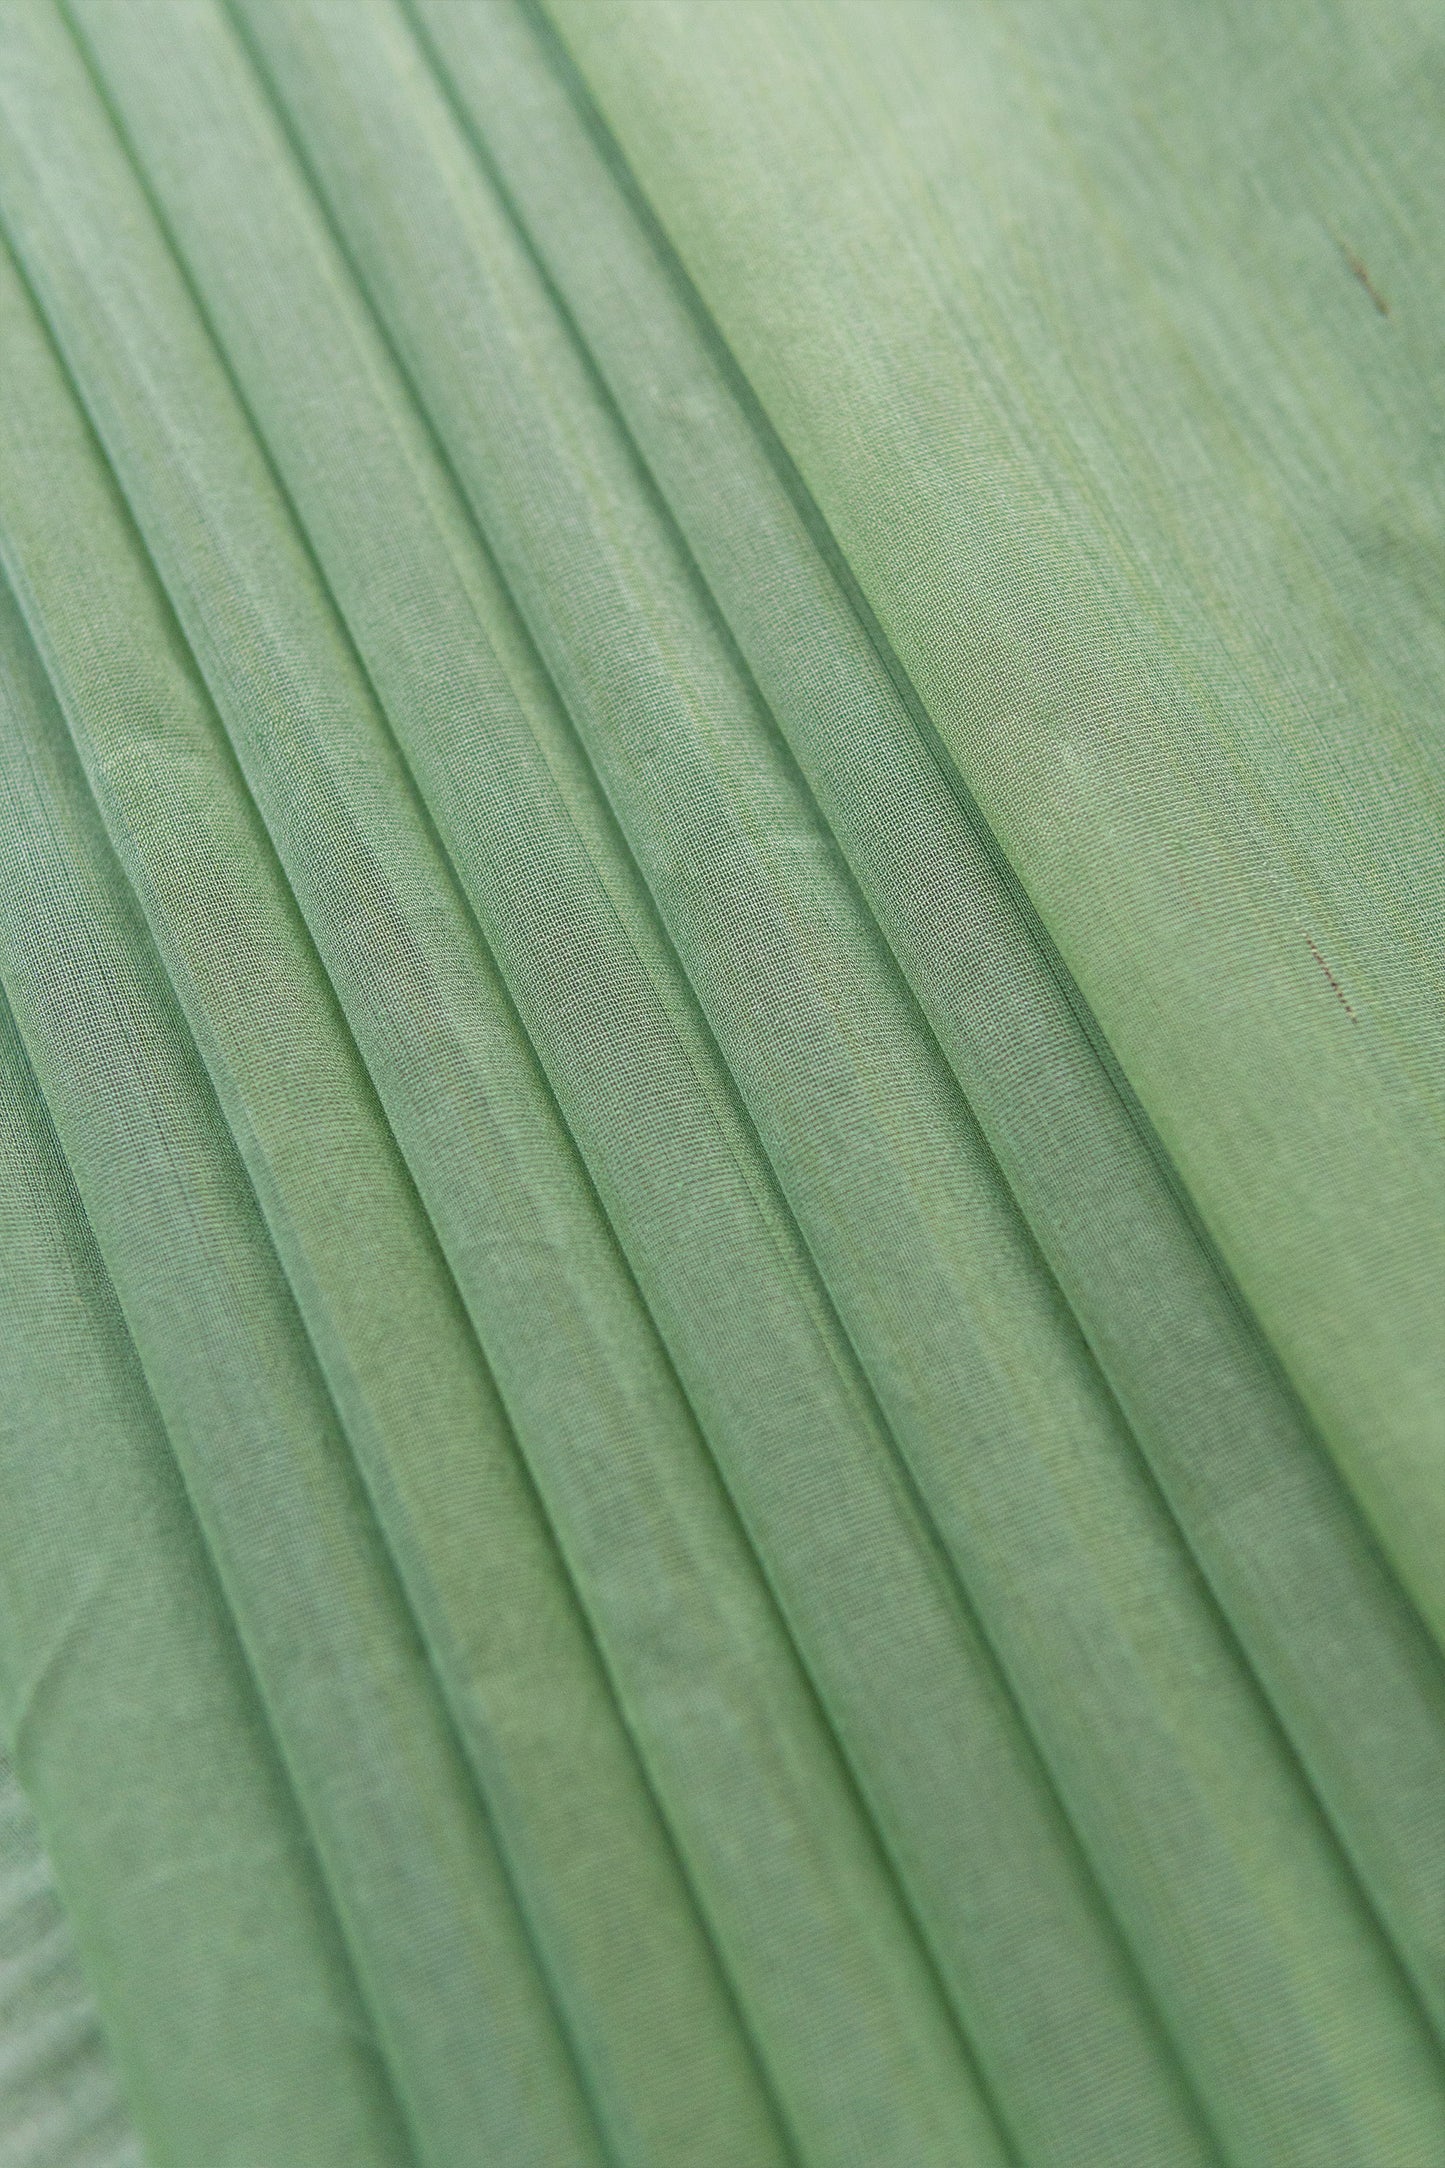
722 1299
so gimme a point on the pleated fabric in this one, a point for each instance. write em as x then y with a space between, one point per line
722 1412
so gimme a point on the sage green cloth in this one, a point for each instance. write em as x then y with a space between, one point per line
722 1415
59 2103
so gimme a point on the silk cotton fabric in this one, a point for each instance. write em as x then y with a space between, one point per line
722 1397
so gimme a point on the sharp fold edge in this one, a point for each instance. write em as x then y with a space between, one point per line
525 1048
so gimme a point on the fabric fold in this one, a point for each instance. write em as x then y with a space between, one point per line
1067 481
721 1392
136 1728
444 1960
639 1083
814 1934
1278 1537
920 1248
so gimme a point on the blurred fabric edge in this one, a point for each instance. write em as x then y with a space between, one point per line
59 2103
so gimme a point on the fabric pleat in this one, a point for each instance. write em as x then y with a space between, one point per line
723 1369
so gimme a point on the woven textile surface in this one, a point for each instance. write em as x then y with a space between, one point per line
722 1084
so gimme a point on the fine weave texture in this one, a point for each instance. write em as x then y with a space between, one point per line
722 1302
59 2105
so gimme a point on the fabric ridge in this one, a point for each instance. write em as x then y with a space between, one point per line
722 1390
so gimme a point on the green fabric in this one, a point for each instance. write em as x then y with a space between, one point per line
59 2103
722 1395
207 1932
